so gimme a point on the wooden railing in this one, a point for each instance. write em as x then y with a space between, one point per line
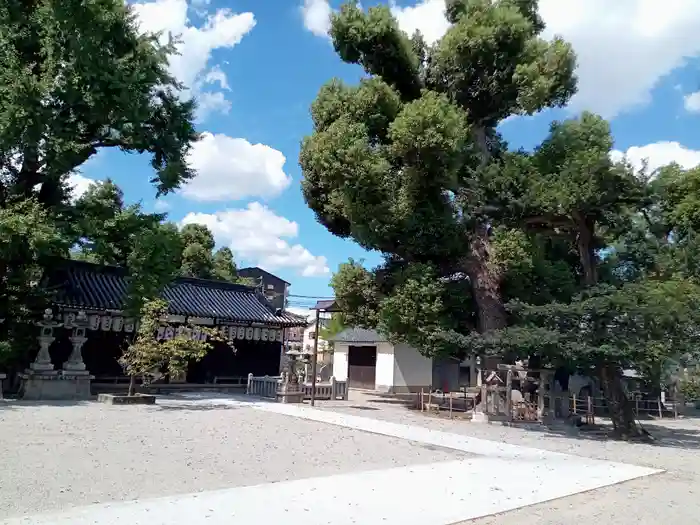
267 386
263 386
331 391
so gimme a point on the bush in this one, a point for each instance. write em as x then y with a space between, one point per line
690 388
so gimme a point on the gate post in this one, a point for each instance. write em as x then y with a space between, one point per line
250 384
334 388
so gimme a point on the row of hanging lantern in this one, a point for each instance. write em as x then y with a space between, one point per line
109 323
231 333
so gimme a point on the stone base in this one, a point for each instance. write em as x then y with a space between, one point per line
138 399
290 394
55 387
42 368
480 417
291 397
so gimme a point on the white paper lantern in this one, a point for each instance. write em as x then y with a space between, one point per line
129 324
117 324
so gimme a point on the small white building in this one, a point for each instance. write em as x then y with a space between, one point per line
366 359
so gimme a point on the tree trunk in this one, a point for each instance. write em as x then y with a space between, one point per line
586 252
132 385
485 283
620 407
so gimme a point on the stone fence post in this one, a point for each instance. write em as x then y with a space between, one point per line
334 391
250 384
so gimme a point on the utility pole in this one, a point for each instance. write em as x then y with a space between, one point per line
314 360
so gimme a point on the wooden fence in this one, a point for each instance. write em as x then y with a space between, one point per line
267 387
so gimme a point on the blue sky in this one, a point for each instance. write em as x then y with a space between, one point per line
257 65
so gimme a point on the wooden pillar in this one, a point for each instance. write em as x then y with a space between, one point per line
509 396
472 370
540 396
314 361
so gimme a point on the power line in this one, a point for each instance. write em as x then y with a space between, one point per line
310 297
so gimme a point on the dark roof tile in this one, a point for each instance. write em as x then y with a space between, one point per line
358 335
96 287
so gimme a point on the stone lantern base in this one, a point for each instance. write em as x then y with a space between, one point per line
290 393
66 385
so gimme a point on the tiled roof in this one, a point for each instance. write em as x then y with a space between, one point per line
96 287
327 305
358 335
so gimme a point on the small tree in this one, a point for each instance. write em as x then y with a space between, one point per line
146 356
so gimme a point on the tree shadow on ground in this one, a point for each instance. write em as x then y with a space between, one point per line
667 433
194 407
15 404
662 435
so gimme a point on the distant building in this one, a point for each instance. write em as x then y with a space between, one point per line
272 287
366 359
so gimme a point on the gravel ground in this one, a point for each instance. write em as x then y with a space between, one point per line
56 456
672 497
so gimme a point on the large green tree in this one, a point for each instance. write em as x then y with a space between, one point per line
403 162
108 231
76 76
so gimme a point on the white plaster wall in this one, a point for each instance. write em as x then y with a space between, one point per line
411 368
308 343
340 362
385 365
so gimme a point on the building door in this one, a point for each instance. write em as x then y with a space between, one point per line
362 366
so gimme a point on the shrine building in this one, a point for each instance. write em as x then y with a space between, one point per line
255 327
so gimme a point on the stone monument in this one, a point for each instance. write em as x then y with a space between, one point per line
41 381
290 391
76 378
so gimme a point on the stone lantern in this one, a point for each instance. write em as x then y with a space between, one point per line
290 391
75 364
42 364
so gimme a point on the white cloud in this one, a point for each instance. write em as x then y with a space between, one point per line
161 206
211 102
692 102
79 185
222 29
624 47
257 234
427 16
659 154
317 14
233 168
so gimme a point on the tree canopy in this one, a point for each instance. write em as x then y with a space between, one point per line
77 77
562 253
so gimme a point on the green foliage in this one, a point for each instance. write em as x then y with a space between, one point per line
200 260
332 327
108 228
224 266
356 294
643 322
147 357
29 240
152 264
409 163
690 388
75 77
